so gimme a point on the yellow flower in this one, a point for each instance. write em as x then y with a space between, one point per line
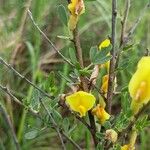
127 147
81 102
76 8
111 135
100 113
104 86
104 44
139 85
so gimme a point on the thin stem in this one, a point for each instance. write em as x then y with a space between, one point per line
77 45
113 60
23 77
48 40
9 123
132 29
17 101
54 124
124 22
84 81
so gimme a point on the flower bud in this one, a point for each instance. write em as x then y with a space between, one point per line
111 135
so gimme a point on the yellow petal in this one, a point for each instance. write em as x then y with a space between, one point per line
101 114
104 116
104 86
145 61
87 100
76 7
125 147
104 44
81 102
139 85
82 110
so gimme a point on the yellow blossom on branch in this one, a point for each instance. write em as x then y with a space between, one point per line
100 113
104 86
76 8
139 86
127 147
104 44
131 145
81 102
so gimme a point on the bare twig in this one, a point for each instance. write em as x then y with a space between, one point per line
54 125
16 100
113 60
132 29
130 32
9 123
48 40
77 45
124 22
23 77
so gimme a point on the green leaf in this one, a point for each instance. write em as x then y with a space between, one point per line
100 146
72 55
31 135
93 52
100 135
125 102
65 77
49 84
100 56
102 60
62 14
142 122
63 37
66 124
35 103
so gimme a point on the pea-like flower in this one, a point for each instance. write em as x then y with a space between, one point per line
100 113
76 8
81 102
104 44
139 86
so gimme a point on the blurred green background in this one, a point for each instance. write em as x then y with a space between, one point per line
23 46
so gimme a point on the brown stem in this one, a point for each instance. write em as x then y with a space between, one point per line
84 81
78 46
124 22
113 60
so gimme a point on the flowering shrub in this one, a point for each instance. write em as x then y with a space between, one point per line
90 107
